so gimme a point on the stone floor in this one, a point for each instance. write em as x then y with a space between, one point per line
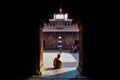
68 70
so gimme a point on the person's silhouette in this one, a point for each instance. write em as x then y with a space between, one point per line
57 63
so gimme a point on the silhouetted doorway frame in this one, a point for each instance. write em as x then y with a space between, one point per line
39 57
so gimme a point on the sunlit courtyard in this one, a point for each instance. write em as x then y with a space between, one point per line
69 66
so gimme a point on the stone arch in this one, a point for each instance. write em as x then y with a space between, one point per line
40 64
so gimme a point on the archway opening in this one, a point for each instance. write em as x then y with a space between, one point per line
70 60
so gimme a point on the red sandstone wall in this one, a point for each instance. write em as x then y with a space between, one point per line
51 39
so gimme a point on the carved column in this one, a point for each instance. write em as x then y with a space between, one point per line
41 52
40 65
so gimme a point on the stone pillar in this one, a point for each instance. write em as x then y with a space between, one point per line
66 23
41 53
80 66
70 23
40 65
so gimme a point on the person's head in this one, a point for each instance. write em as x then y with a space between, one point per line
58 56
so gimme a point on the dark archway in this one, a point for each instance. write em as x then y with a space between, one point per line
23 44
40 64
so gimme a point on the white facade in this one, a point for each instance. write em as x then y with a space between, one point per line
60 23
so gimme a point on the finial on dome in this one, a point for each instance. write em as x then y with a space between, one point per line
60 8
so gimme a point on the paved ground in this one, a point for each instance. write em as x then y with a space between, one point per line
68 71
69 64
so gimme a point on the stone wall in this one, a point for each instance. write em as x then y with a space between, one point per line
51 39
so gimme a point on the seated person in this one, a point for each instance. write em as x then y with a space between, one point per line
71 48
75 49
57 63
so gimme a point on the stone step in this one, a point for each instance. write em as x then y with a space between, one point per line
58 79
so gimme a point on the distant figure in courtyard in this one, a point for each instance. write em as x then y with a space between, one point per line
74 48
57 63
60 50
71 49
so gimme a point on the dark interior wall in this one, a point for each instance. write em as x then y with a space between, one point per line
93 45
23 42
